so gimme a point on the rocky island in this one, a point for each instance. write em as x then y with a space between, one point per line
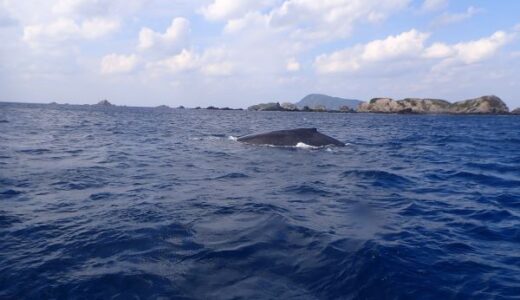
481 105
104 103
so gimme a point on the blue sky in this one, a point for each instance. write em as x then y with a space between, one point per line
241 52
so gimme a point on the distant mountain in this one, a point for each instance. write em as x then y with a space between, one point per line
314 100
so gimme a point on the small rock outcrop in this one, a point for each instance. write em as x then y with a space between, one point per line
289 106
267 107
345 108
516 111
104 103
481 105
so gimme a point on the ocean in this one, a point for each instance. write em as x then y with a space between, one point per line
143 203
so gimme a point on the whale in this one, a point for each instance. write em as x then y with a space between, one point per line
291 138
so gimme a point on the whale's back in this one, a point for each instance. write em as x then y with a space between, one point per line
292 137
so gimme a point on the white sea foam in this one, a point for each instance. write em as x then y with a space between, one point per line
233 138
305 146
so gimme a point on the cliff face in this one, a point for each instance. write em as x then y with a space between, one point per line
413 105
482 105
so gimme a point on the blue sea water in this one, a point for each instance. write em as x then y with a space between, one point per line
137 203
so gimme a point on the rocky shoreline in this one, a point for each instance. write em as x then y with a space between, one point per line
275 106
487 105
482 105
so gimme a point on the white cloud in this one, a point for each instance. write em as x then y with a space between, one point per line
94 8
411 46
64 29
433 5
217 61
438 50
212 62
302 20
114 63
325 20
406 44
338 62
228 9
184 61
70 6
174 37
249 21
98 27
218 69
469 52
475 51
29 12
293 65
60 29
450 18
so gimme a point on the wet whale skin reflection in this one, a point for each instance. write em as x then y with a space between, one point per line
292 137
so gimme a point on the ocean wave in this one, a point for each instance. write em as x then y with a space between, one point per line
233 176
499 167
34 151
308 189
7 220
377 178
100 196
493 215
483 179
9 193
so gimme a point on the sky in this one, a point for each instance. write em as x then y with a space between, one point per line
241 52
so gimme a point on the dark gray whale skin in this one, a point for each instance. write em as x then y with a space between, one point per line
292 137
